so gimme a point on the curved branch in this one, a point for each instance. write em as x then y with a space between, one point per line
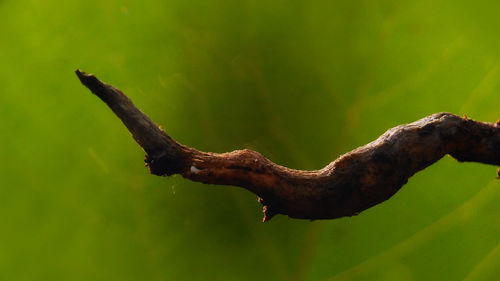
354 182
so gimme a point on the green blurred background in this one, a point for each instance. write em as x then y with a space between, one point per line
300 81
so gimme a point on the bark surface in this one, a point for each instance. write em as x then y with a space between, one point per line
352 183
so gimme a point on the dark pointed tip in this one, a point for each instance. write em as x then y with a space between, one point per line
93 84
84 77
81 74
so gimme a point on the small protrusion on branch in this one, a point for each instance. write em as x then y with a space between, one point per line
354 182
268 211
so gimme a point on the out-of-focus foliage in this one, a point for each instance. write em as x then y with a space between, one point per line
300 81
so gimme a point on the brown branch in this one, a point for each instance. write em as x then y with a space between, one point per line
354 182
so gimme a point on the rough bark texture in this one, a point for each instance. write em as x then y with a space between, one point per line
354 182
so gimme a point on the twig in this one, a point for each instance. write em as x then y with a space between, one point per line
354 182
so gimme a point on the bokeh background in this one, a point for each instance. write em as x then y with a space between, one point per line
300 81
